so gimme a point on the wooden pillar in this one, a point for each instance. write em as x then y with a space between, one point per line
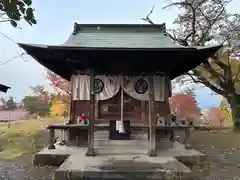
152 119
172 135
71 110
143 112
96 109
90 150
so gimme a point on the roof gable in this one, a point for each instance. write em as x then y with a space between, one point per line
119 36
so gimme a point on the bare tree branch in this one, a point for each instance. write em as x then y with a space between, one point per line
221 65
193 77
182 42
5 20
210 85
147 18
203 36
193 32
210 69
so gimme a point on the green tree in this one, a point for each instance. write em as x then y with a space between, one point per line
203 22
36 105
40 91
11 104
14 11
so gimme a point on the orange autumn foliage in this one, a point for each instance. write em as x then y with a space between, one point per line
184 106
215 116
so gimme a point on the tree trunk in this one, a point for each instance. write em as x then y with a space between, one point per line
234 102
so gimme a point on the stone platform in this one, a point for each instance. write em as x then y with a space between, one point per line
120 160
121 167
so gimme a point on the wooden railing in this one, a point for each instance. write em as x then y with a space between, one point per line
61 131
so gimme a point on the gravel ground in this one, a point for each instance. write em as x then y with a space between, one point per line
21 169
223 151
222 148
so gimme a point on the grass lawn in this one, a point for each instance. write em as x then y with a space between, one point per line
26 136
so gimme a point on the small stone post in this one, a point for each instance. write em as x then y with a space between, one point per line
51 139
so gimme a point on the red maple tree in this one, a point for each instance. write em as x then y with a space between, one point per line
184 106
59 84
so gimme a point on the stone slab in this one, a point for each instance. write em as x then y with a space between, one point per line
55 157
61 150
189 157
121 167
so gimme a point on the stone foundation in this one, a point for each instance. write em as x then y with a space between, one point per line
129 162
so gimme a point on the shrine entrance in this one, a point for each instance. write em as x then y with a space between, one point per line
125 108
111 109
121 103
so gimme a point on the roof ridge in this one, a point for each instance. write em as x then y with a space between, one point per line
77 28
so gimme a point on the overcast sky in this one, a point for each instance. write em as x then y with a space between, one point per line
55 23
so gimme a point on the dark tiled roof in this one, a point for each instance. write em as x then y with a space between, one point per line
119 49
119 36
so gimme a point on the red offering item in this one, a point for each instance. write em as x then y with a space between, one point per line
82 117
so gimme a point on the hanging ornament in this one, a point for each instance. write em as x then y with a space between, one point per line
141 86
98 86
121 127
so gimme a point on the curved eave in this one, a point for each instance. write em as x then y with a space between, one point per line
64 60
4 88
86 48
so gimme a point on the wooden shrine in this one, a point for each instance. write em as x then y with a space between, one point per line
120 78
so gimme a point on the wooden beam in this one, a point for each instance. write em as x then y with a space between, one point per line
90 150
152 120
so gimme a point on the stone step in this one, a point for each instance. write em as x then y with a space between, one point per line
124 167
120 150
139 136
130 143
120 143
101 134
118 147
